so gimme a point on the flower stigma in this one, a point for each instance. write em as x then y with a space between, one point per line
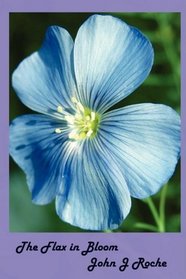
83 124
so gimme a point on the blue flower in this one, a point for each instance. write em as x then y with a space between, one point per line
89 159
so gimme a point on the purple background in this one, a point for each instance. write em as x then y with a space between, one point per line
170 247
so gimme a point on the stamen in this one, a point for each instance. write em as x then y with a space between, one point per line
59 109
74 100
78 104
82 135
73 135
82 124
70 119
93 115
80 107
58 131
88 117
89 133
78 116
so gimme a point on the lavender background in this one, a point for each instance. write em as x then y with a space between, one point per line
168 246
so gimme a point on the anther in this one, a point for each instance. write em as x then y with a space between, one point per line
58 131
74 100
93 115
89 133
59 109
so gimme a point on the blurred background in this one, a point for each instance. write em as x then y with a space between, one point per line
27 31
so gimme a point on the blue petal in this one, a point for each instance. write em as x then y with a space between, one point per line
145 140
94 195
38 150
45 79
111 60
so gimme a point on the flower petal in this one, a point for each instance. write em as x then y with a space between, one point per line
111 60
38 150
94 195
145 139
45 79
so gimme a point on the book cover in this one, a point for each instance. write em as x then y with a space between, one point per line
92 139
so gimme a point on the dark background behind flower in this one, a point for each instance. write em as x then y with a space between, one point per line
27 31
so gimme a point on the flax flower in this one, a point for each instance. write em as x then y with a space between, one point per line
88 158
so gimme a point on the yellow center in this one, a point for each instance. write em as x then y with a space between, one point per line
83 124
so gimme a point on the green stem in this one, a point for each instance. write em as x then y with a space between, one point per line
162 207
153 210
159 217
